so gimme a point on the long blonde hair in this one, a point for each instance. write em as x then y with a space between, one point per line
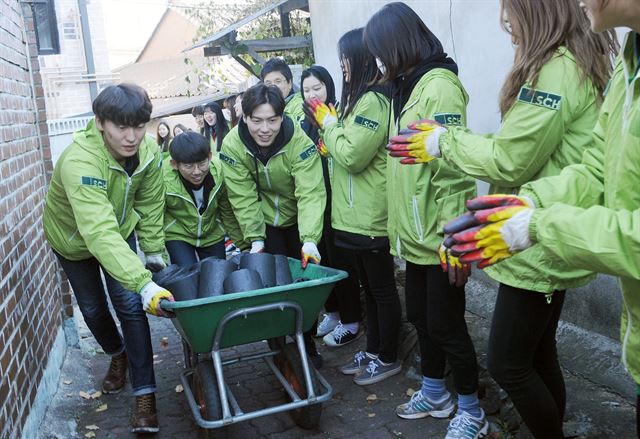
545 25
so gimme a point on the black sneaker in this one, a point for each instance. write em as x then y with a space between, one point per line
340 336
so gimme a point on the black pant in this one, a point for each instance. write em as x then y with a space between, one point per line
523 358
286 241
436 308
376 273
184 254
638 416
345 296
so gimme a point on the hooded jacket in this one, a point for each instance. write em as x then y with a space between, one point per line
282 189
589 215
422 198
183 221
93 205
547 128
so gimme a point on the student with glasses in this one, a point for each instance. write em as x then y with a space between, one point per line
197 211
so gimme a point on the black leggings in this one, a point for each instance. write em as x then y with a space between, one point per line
345 296
376 272
523 358
436 308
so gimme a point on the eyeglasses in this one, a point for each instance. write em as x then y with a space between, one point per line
191 167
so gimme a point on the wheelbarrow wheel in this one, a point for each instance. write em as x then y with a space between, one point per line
207 395
290 365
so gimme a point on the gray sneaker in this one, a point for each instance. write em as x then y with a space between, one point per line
419 406
465 426
358 363
376 371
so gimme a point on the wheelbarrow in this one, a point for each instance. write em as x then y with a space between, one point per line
211 324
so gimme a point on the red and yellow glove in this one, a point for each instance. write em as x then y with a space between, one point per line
322 114
419 143
309 253
322 148
458 272
152 294
496 228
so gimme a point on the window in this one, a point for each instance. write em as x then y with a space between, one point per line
44 20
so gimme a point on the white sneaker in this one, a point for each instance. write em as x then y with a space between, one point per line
466 426
340 336
327 325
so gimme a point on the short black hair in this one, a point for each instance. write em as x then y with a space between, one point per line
276 65
198 110
123 104
262 94
189 147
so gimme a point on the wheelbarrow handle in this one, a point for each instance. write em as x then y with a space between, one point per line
168 313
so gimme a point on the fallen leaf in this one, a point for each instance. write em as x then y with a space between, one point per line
84 395
164 342
371 415
157 362
102 408
96 395
155 356
179 388
410 391
92 427
90 434
67 382
372 397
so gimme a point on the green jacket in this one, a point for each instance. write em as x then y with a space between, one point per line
359 162
183 221
293 107
422 198
598 228
291 185
541 133
92 206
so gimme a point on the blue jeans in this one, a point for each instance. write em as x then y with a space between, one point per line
88 288
184 254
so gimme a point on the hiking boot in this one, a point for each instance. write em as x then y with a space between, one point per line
358 363
145 419
327 325
466 426
340 336
376 372
116 375
419 406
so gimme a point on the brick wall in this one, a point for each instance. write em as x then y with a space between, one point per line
31 292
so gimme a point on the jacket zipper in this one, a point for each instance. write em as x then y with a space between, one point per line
627 334
416 219
350 190
276 202
169 225
126 192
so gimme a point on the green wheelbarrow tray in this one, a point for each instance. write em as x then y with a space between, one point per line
197 320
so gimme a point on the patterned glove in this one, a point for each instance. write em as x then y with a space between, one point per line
324 115
419 143
257 247
155 262
152 294
309 253
322 148
458 272
496 228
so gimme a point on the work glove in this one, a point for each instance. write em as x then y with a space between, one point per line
152 294
496 228
257 247
321 114
155 262
322 148
419 143
458 272
310 253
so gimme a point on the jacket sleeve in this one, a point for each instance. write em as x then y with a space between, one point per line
597 239
229 221
530 133
309 190
149 204
98 226
243 194
354 142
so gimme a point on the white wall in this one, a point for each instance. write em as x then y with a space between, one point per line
483 50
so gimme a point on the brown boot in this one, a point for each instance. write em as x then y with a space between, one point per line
116 375
145 419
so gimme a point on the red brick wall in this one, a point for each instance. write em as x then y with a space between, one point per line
31 296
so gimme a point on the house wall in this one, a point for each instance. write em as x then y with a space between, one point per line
32 296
